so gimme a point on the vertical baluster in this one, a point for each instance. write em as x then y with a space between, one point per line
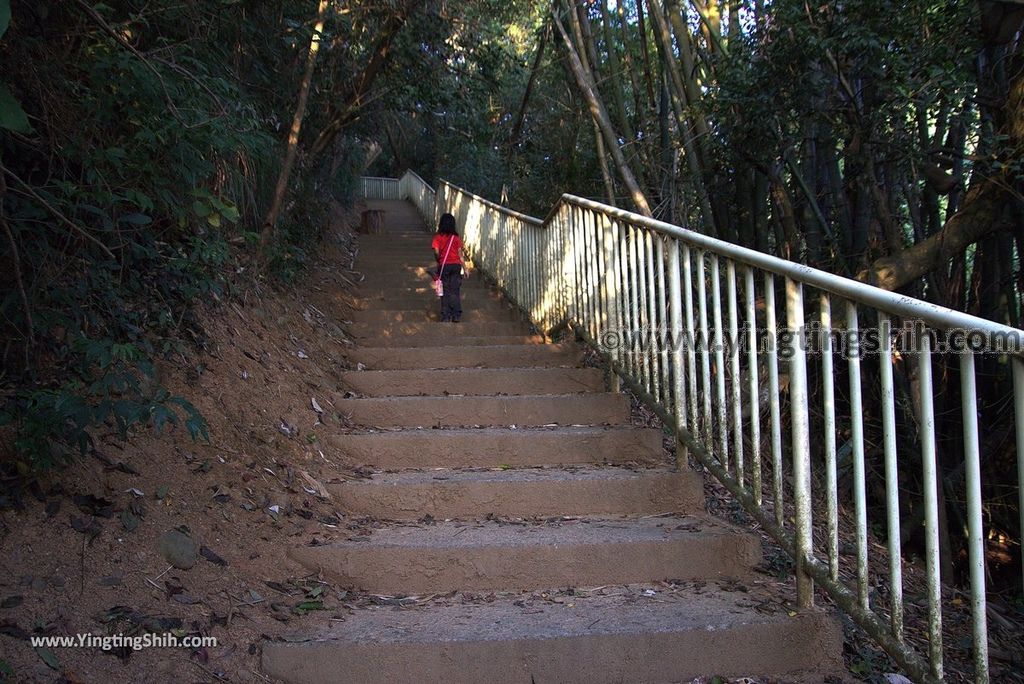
662 323
753 384
975 528
734 371
675 331
614 263
634 303
719 344
930 486
1018 411
654 296
892 491
604 304
536 264
577 253
593 311
857 438
705 359
801 441
644 321
625 293
688 340
829 408
771 323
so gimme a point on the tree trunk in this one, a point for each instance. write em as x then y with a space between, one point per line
292 148
600 116
517 129
352 100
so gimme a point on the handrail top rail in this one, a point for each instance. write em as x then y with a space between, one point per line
884 300
418 177
497 207
848 288
383 178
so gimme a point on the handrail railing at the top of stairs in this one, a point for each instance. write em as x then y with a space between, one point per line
637 287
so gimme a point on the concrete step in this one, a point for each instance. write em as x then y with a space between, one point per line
419 253
526 493
470 314
389 272
667 637
466 411
490 556
375 282
416 297
458 341
499 447
482 356
436 330
474 381
397 238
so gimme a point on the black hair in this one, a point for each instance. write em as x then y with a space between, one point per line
446 226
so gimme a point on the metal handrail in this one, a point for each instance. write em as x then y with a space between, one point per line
613 274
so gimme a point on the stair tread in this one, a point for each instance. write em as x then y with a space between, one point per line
560 474
561 431
574 532
503 619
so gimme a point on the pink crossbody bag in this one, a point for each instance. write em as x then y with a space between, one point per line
438 285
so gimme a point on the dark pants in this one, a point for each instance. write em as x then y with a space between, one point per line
451 301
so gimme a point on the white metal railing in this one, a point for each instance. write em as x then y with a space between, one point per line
414 189
617 277
380 188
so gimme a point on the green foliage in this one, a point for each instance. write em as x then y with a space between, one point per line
12 116
139 196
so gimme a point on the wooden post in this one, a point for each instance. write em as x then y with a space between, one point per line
372 222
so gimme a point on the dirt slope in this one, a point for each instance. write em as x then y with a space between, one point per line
83 557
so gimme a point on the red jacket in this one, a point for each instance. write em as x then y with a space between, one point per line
452 244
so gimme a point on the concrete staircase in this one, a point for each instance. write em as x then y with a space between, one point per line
508 469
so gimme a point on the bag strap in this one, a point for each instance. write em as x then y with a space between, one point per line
448 249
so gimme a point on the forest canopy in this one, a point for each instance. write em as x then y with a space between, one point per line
153 153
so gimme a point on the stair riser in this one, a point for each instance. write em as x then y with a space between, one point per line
647 495
457 341
417 298
442 332
393 570
474 382
790 648
494 449
581 409
375 284
382 316
526 355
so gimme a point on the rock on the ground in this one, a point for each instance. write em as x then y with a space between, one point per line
179 549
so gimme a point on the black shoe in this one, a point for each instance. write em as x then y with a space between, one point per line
456 320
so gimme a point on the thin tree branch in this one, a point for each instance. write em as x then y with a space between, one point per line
18 278
56 212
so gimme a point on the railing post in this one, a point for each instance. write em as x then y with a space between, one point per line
930 488
689 340
736 393
674 340
975 524
1018 410
892 494
857 438
800 440
772 326
829 410
716 308
753 384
